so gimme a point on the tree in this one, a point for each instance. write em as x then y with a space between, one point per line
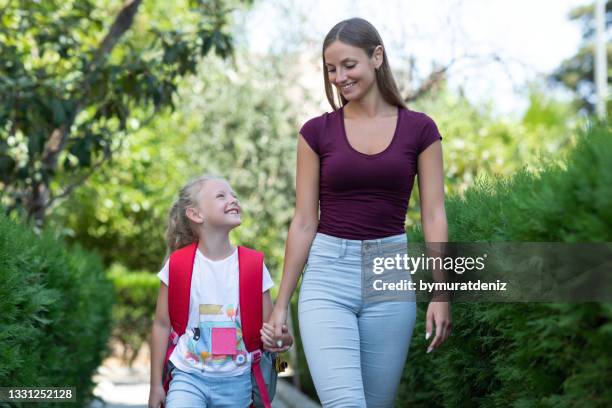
577 72
233 122
72 86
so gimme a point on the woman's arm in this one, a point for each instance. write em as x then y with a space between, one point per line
435 229
302 230
267 331
159 345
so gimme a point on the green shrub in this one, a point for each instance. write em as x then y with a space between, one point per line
56 311
136 294
530 354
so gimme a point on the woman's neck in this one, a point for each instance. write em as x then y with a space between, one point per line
215 245
370 106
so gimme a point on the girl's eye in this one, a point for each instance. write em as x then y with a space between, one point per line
219 195
330 70
351 66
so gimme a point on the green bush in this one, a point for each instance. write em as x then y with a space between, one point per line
136 294
56 311
530 354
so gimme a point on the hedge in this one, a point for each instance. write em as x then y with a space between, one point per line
133 313
529 354
56 312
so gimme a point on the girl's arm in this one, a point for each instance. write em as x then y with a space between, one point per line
302 230
435 229
267 305
159 345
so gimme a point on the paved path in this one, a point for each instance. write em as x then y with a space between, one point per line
122 387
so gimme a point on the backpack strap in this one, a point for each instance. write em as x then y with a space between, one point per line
179 286
179 293
250 264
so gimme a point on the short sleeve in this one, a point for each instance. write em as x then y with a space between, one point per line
267 281
429 134
310 131
164 274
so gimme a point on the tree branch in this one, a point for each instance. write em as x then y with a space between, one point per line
71 187
92 169
439 74
58 138
122 23
432 79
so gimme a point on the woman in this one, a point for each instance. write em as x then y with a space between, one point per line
359 162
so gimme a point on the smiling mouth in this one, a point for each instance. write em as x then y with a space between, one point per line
233 211
347 86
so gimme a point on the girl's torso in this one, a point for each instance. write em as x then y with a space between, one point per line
212 343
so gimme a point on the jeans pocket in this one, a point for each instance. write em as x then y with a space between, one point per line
321 254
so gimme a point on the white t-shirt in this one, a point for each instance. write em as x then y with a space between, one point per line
212 343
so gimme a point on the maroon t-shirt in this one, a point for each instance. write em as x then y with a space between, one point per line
365 196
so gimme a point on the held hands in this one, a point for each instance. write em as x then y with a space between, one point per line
274 343
276 330
438 315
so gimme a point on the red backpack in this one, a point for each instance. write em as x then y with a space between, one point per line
250 264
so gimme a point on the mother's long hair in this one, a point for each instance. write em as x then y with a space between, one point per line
360 33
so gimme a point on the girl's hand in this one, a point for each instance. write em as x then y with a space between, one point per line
157 396
438 315
270 341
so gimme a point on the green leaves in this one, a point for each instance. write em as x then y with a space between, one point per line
50 82
56 306
534 354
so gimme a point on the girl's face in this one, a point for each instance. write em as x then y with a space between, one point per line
217 206
350 69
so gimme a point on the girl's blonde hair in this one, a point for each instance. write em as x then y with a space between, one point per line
360 33
181 231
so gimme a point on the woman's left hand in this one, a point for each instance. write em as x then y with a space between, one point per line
438 316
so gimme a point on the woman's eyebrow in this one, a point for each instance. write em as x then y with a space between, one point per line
347 59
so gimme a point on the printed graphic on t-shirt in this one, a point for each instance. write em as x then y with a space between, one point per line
218 338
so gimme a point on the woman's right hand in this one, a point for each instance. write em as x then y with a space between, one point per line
278 318
157 396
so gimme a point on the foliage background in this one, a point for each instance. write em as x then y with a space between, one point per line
181 94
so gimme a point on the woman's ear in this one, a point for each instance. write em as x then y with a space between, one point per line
378 56
194 215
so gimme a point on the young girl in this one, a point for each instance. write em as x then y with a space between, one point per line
206 211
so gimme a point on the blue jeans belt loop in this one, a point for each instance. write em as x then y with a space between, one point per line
343 245
369 246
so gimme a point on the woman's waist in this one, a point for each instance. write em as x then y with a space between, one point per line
336 240
348 248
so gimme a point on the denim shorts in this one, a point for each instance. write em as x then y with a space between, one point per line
356 350
193 390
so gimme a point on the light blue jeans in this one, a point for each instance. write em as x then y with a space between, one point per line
189 390
355 350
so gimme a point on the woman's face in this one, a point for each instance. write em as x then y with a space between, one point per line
350 69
